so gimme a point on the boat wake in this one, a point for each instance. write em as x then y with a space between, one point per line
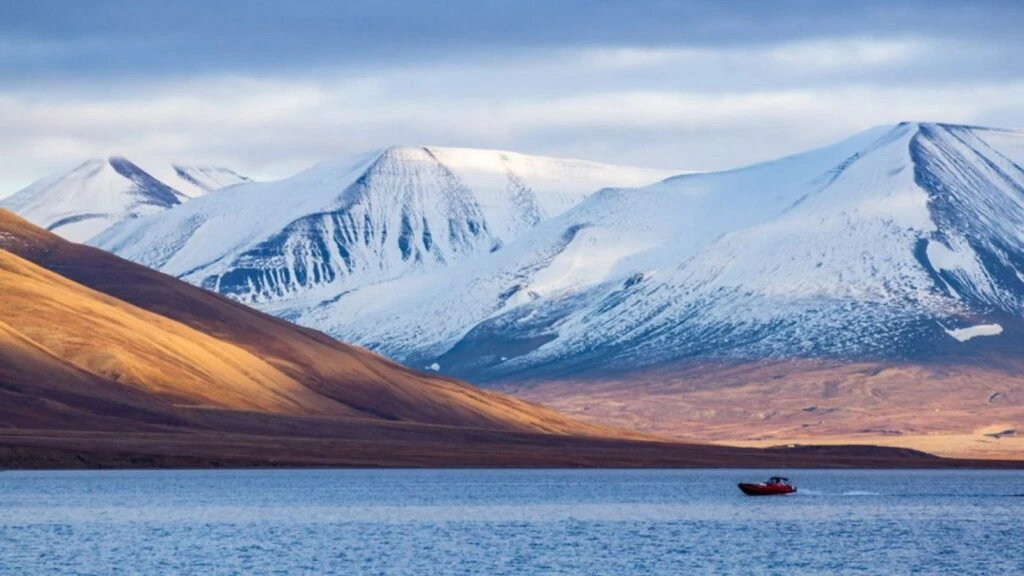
811 492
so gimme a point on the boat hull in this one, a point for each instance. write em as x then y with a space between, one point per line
766 489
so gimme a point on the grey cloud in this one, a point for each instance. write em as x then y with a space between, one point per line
184 37
270 87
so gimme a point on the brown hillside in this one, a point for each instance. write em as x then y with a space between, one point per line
959 408
121 322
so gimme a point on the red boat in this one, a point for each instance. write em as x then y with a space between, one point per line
775 486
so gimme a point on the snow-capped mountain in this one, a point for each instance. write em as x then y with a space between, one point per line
344 225
102 192
903 241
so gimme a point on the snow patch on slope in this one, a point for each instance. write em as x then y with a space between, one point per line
965 334
196 181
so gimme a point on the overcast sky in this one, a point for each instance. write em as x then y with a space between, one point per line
268 88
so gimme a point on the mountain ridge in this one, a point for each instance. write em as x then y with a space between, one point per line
360 220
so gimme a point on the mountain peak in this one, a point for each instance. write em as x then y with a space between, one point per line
99 192
932 124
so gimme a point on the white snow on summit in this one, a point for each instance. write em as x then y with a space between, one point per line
345 224
99 193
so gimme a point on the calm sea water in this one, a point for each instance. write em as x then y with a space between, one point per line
509 522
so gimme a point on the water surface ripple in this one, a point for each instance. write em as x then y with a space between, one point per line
509 522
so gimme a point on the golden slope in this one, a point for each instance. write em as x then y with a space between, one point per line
116 341
38 390
126 323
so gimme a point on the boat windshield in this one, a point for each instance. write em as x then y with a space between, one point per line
778 480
